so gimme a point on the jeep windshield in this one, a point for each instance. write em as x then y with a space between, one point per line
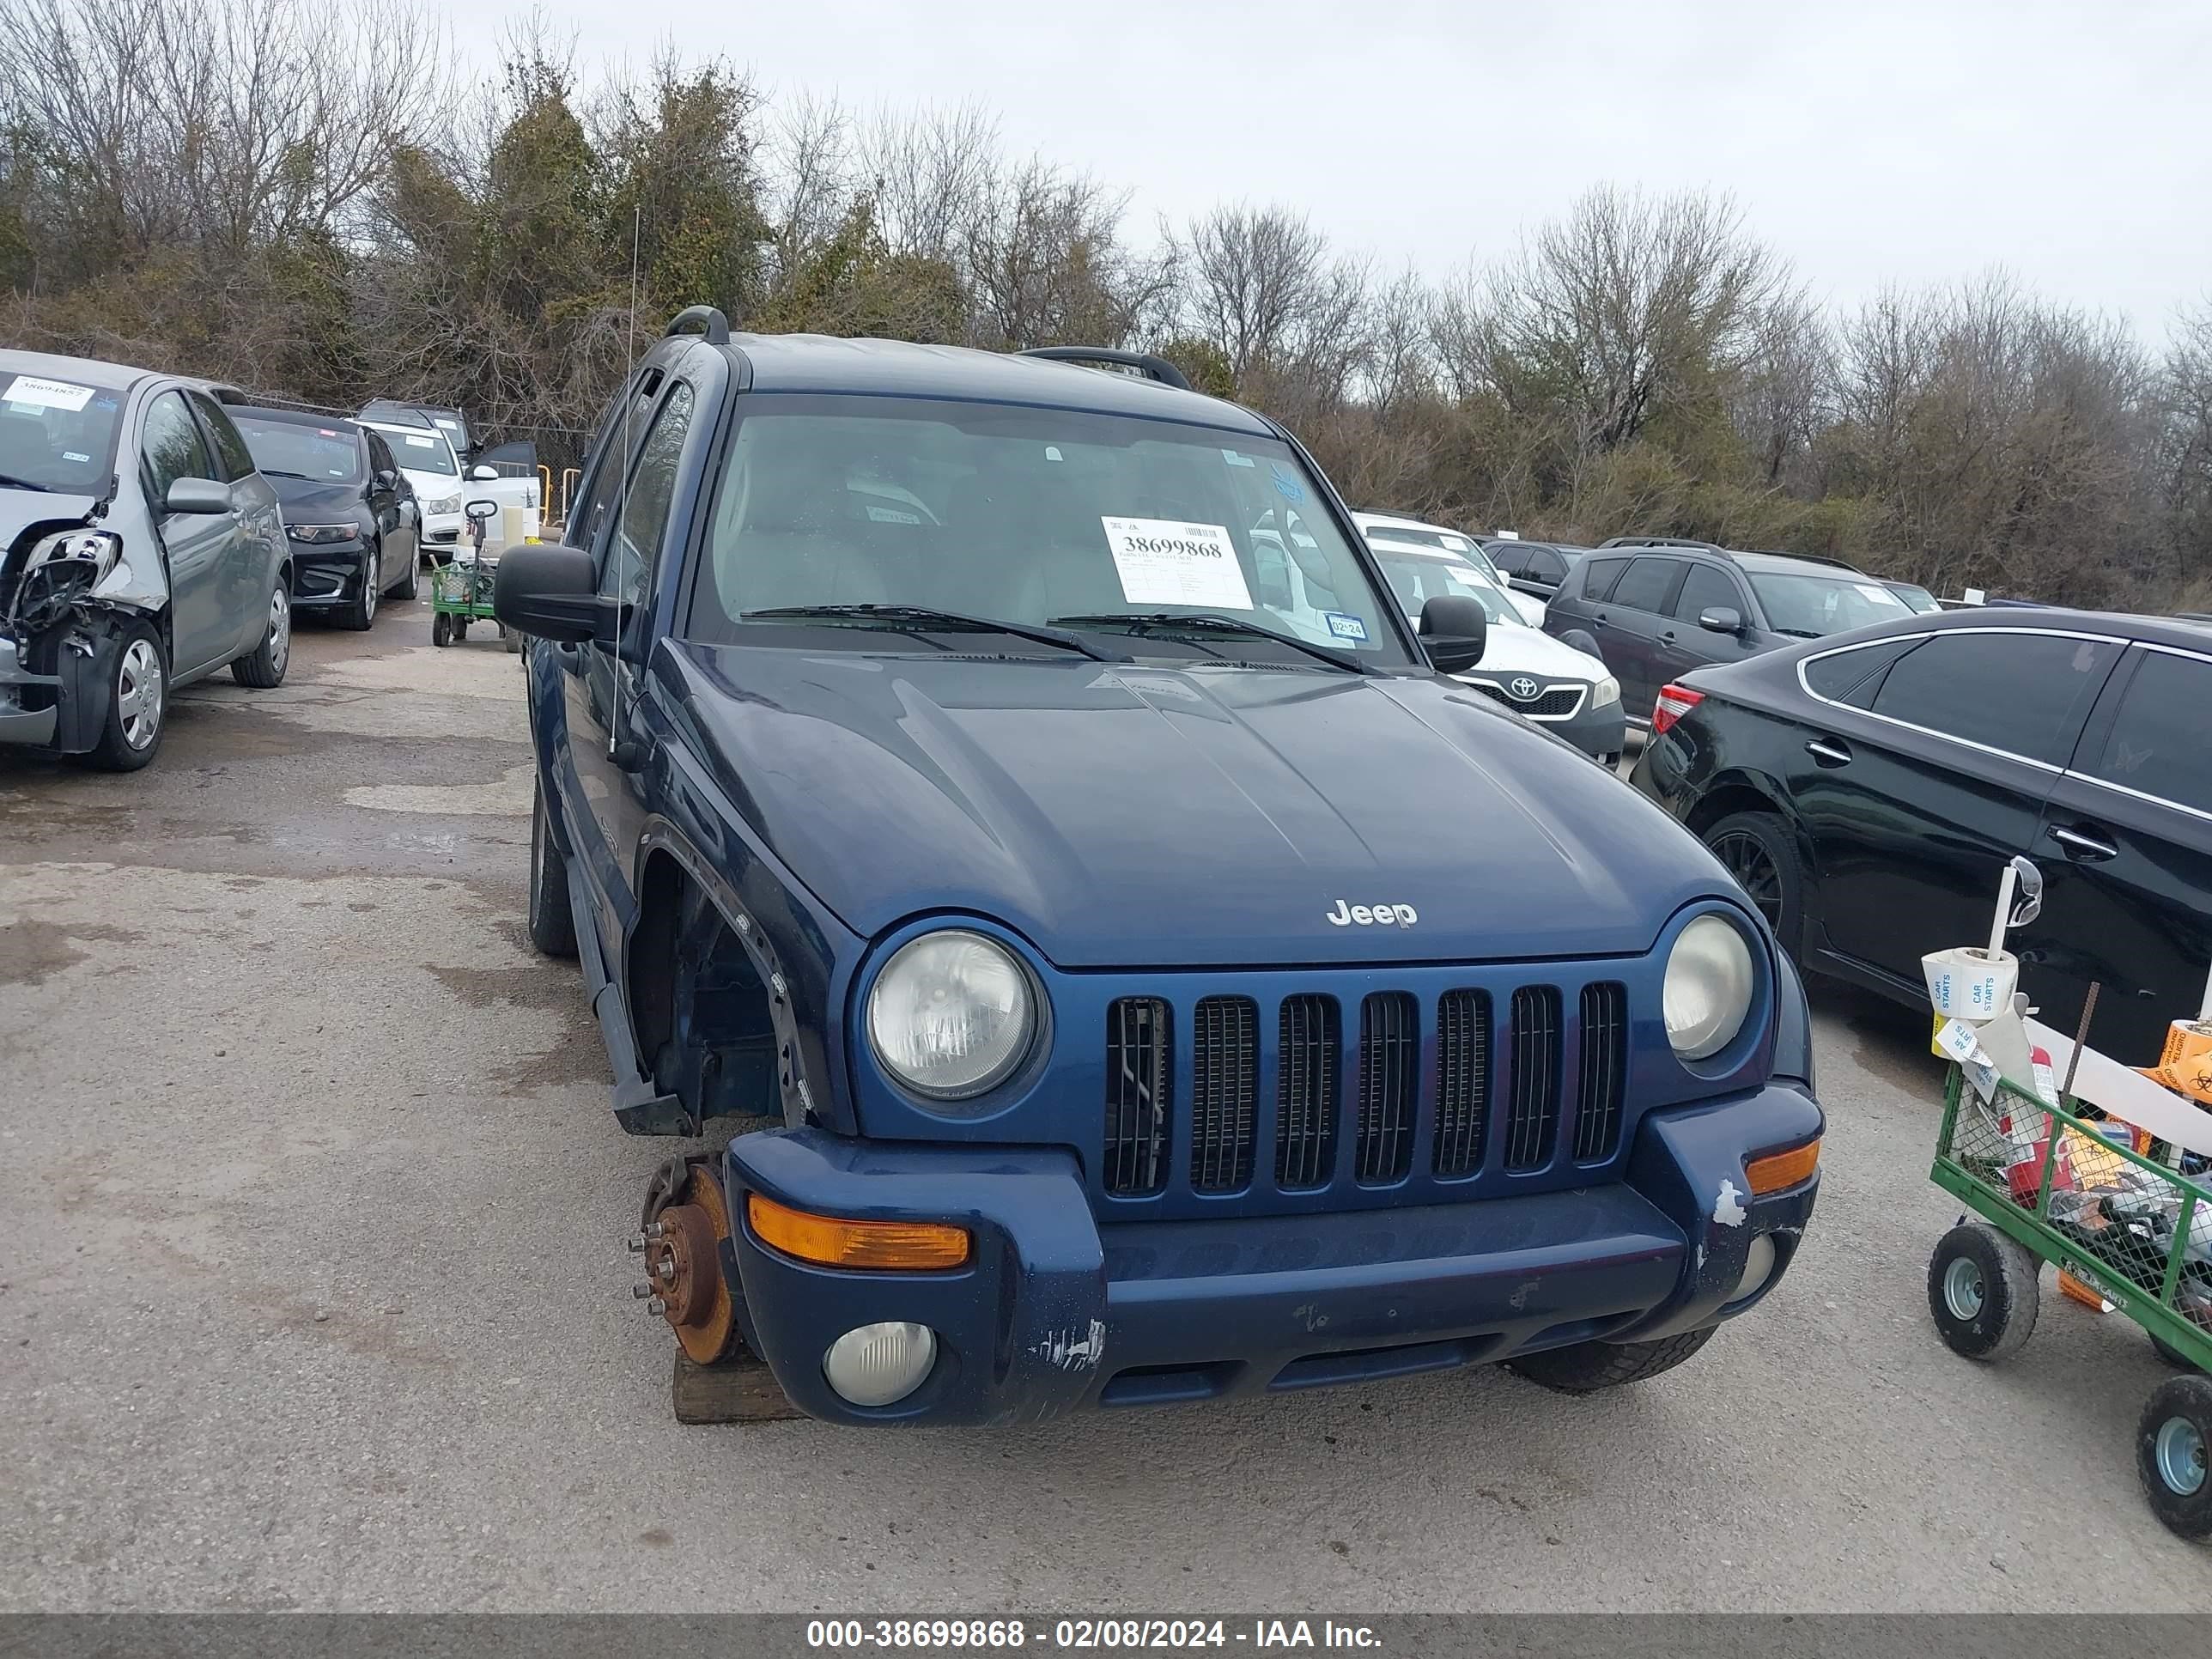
56 435
1041 518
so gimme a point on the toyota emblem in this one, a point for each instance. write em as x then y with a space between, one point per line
1523 688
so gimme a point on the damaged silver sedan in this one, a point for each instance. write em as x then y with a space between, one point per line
143 551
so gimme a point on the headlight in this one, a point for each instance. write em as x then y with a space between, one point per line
443 504
1707 987
92 552
951 1015
323 532
1607 691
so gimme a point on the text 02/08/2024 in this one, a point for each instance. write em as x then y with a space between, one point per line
1085 1634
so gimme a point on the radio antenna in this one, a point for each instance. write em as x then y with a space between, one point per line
622 490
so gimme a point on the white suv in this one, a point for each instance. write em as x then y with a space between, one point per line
1528 605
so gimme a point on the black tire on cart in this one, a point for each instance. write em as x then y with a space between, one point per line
1984 1291
460 627
442 630
1587 1367
2172 1355
2171 1438
552 923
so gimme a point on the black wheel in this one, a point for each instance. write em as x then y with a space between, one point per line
1587 1367
460 627
2172 1355
407 589
263 668
1984 1291
361 612
137 704
2170 1436
552 923
1757 849
442 630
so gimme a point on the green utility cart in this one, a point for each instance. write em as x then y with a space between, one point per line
460 593
2051 1185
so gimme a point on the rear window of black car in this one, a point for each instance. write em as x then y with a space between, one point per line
1853 676
2027 693
2161 744
1599 576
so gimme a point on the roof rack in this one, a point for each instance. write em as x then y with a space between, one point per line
1808 558
1152 367
708 321
1662 541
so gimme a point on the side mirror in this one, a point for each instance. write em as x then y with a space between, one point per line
481 474
203 496
1721 619
1453 630
551 591
385 480
480 511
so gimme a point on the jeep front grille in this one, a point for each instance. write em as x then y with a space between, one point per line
1440 1086
1225 1092
1139 1058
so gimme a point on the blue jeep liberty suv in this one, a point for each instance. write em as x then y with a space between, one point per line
1005 785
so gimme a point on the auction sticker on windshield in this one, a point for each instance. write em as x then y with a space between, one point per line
31 392
1164 561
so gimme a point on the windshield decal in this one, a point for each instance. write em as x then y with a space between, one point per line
1235 460
1346 626
413 442
1161 562
1286 483
29 391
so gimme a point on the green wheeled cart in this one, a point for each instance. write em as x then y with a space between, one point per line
2049 1185
460 593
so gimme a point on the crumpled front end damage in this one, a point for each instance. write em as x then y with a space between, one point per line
68 593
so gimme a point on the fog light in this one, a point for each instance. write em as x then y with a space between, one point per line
876 1365
1757 1267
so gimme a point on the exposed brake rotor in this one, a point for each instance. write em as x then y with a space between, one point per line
686 1223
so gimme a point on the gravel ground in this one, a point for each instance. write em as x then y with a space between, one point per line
312 1290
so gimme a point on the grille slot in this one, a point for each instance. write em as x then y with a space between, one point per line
1389 1072
1139 1062
1462 1080
1532 1107
1604 1070
1306 1098
1557 703
1225 1086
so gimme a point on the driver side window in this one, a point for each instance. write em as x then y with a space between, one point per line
634 549
171 447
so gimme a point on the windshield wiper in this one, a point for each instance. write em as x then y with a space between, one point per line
8 482
916 617
1801 633
279 472
1148 621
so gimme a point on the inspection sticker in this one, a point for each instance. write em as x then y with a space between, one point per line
1345 627
1235 460
1163 561
32 392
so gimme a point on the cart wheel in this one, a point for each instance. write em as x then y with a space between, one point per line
442 630
2170 1436
1984 1291
460 627
2172 1355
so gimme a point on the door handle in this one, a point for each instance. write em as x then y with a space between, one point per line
1828 752
1668 637
2082 848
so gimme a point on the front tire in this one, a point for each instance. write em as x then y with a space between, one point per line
1759 851
2171 1437
362 613
263 668
1984 1291
552 923
1588 1367
138 703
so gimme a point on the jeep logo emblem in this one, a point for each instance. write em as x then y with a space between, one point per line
1372 915
1524 687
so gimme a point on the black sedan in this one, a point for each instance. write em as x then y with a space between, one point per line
1866 792
351 519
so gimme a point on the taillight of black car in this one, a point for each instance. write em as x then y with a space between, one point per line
1674 702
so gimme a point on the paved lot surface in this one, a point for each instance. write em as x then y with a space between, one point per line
310 1221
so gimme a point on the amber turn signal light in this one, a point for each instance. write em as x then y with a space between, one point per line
836 1242
1776 1170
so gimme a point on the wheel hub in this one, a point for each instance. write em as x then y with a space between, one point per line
1963 1292
2179 1452
682 1242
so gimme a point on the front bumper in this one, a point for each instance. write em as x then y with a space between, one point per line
20 726
1053 1312
442 533
328 573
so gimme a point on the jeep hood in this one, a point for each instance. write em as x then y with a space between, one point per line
1127 816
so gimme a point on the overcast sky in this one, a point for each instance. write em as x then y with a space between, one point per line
1870 142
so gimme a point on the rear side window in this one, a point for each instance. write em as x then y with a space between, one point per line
2027 693
1545 566
2161 742
1706 589
1644 585
1510 557
1598 577
1854 677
